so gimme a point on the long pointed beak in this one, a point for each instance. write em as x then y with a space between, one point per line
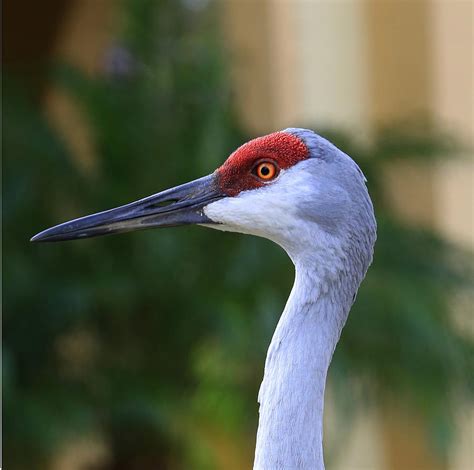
182 205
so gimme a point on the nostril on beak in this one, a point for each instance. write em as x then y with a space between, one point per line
164 203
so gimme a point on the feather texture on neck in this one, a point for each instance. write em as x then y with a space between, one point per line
291 396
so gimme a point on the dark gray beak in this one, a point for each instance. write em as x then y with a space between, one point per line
182 205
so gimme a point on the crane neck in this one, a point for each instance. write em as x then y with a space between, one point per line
291 395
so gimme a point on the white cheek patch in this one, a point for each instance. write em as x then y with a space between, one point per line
266 211
235 214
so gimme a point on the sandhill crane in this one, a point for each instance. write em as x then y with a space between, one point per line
300 191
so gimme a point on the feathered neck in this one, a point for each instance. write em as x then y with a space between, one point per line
291 396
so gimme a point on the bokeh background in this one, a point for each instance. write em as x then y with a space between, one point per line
146 350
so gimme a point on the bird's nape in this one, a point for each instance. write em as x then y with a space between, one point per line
181 205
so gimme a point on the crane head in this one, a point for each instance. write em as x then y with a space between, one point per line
293 187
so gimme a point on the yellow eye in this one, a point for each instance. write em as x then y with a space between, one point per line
266 170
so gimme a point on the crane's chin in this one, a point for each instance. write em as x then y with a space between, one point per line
222 217
181 205
222 227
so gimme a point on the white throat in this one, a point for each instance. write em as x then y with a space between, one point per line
291 396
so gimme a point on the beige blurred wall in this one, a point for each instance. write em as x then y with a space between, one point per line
355 65
453 103
292 67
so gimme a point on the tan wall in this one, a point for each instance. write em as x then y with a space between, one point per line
400 53
453 102
246 32
291 66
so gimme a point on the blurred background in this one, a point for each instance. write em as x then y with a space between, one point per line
146 350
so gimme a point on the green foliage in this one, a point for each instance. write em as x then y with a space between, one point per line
145 338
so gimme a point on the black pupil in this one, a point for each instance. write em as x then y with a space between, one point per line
265 171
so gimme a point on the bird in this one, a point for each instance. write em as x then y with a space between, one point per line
300 191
